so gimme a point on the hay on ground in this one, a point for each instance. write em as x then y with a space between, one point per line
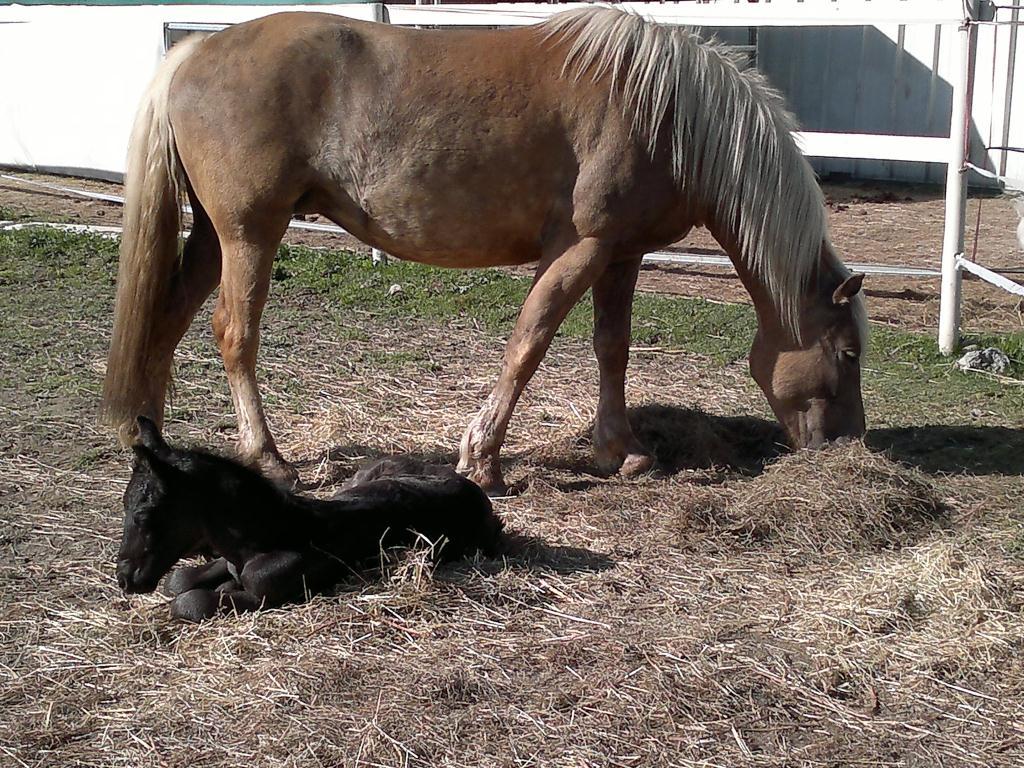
840 497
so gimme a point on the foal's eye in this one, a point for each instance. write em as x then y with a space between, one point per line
851 354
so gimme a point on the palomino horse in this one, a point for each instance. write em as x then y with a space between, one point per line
580 143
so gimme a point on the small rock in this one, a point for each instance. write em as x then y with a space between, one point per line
394 290
991 360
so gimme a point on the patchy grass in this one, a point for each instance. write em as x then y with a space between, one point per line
848 607
904 370
491 299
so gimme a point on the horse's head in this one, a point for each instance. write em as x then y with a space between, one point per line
814 386
159 524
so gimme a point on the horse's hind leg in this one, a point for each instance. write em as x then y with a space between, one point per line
559 284
245 283
615 445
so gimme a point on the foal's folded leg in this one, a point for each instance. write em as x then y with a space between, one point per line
267 581
195 605
199 604
276 578
206 576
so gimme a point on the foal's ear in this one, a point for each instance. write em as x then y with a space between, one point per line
849 288
149 435
148 457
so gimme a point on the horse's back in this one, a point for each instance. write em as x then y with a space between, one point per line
453 147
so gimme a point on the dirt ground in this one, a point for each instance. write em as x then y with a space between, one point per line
862 606
879 224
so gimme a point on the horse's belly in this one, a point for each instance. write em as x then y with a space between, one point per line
460 235
464 216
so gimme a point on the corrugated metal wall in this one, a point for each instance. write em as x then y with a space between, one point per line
896 80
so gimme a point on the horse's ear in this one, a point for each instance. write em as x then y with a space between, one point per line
147 456
849 288
149 435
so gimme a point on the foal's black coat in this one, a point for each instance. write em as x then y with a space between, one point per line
273 546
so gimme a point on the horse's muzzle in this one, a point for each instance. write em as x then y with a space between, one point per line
824 424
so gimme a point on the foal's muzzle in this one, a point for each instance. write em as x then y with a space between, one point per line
129 579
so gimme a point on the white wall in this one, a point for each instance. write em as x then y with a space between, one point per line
72 76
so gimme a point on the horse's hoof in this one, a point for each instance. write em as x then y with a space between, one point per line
636 464
489 479
495 488
273 467
628 465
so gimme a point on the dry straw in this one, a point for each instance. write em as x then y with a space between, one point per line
843 497
836 609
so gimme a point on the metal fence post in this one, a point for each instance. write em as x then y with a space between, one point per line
956 187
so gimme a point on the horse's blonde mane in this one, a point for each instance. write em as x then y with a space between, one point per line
731 146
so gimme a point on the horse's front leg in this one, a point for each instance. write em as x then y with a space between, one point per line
245 282
615 445
559 283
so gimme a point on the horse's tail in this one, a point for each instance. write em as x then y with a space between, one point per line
155 185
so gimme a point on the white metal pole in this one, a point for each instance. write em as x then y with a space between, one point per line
956 195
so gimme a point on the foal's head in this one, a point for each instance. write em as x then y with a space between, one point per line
160 514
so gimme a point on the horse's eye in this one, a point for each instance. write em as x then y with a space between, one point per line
851 354
141 518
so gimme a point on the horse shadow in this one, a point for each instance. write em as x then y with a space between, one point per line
953 449
344 460
680 439
683 439
529 554
687 438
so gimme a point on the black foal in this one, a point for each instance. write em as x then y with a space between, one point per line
272 546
